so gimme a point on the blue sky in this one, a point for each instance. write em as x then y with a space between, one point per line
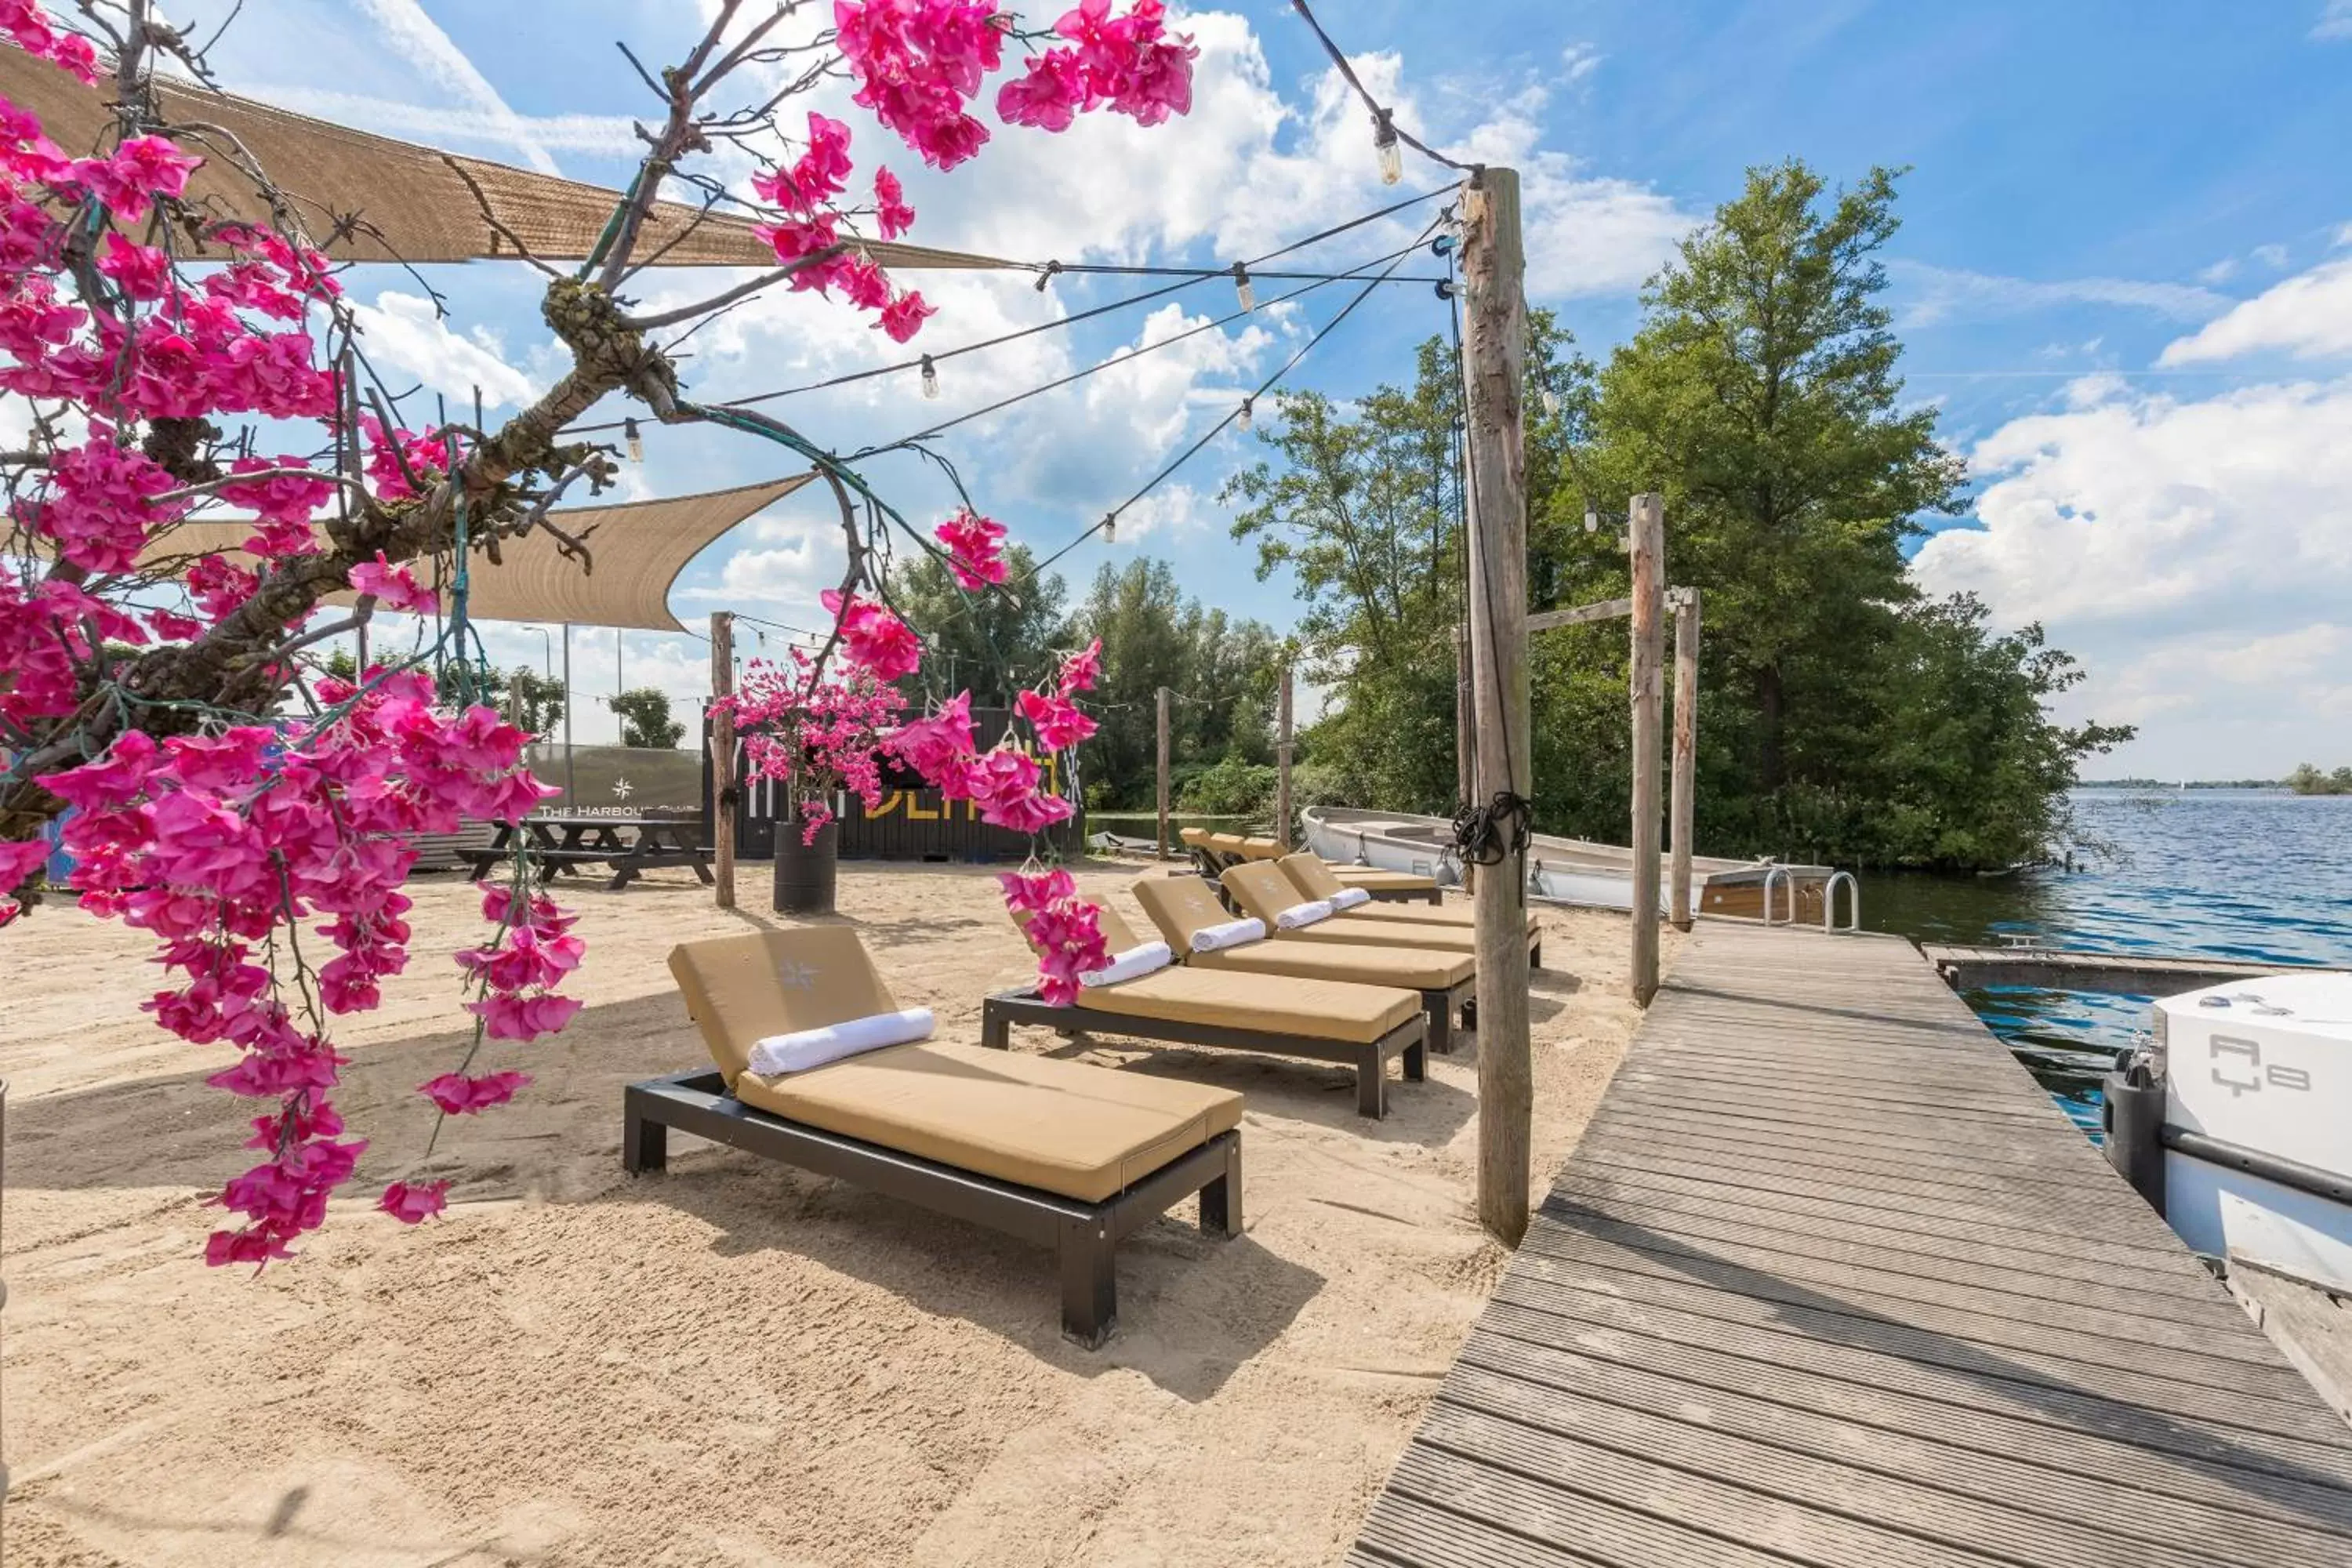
2125 278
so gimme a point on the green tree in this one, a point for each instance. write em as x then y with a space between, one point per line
645 720
992 643
1222 673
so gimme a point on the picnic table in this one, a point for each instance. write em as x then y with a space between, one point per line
630 845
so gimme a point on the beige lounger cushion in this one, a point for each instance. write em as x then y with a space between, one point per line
1226 843
1320 1009
1314 880
1262 848
1262 890
741 989
1370 878
1083 1131
1420 968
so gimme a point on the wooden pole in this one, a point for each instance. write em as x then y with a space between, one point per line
1282 765
1494 351
1684 794
1646 538
722 756
1163 774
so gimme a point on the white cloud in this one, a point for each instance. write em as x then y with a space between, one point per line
2309 316
2335 22
2196 554
2221 271
1933 294
2274 256
418 39
402 332
1578 61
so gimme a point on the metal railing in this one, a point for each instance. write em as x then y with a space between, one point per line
1778 874
1828 903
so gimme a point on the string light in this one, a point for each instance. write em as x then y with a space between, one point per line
636 439
1384 143
1551 402
1592 519
1110 528
1245 422
931 377
1243 290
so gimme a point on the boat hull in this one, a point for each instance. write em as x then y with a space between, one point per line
1574 871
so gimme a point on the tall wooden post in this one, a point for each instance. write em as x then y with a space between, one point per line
1646 537
1163 774
1683 795
722 756
1282 765
1494 351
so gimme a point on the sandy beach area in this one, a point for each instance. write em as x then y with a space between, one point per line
730 1363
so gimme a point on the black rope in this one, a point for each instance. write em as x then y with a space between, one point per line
1488 835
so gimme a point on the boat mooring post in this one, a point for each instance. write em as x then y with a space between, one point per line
1161 853
1282 765
1646 539
1681 795
722 758
1494 351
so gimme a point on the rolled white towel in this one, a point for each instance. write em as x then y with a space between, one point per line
1349 897
806 1048
1306 914
1231 933
1127 965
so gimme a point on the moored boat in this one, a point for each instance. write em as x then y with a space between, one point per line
1567 870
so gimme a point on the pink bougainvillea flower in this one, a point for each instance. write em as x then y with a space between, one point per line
892 216
1080 670
976 549
1056 720
394 587
904 315
873 638
458 1095
1048 96
413 1203
1028 892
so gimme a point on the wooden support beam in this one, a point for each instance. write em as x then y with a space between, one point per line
1494 351
1282 765
722 758
1583 615
1683 795
1646 539
1162 852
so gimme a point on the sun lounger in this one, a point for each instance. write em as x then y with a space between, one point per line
1180 906
1263 893
1207 859
1358 1025
1314 880
1060 1153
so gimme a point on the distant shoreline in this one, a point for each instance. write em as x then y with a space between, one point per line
2279 786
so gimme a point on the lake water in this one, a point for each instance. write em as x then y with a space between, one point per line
2243 874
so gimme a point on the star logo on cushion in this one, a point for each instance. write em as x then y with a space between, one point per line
796 975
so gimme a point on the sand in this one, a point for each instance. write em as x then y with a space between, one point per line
731 1362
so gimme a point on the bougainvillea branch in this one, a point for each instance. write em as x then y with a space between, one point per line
162 715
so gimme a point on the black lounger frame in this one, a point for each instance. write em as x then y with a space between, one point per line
1408 1041
1085 1235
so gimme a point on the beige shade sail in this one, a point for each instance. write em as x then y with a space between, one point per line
415 199
637 550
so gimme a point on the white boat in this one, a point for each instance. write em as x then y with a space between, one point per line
2237 1124
1568 870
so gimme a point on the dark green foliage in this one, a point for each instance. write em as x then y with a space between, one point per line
1840 716
1223 674
645 720
2308 780
1230 788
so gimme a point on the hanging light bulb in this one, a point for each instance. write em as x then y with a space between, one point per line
1110 528
636 438
1243 290
1551 402
1592 519
1245 421
931 377
1384 143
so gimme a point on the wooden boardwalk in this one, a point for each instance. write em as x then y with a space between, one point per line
1830 1282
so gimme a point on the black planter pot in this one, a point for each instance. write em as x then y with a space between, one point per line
804 873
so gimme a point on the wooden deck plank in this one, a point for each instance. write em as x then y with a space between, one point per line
1833 1282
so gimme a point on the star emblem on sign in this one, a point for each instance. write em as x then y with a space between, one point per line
799 977
622 788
